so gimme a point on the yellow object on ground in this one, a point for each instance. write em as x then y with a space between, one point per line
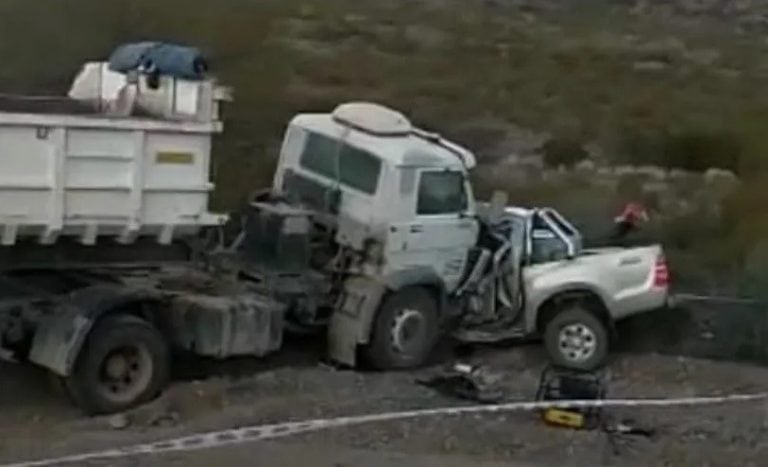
564 418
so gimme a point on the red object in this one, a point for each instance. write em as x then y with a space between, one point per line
661 273
632 214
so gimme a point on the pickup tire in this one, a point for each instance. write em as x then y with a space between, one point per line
405 330
576 338
125 362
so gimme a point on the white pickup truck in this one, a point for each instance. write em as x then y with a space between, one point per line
370 232
569 295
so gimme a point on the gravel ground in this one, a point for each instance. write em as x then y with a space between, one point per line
297 455
294 386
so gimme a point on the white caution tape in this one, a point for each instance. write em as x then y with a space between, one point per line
264 432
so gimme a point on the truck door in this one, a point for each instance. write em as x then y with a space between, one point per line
442 230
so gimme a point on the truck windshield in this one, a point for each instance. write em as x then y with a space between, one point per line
341 162
441 193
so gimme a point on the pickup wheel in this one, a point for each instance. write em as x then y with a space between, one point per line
125 362
405 330
576 338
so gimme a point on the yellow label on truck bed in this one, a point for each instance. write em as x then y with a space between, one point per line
174 157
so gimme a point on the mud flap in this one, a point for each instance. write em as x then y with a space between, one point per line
352 320
58 341
60 336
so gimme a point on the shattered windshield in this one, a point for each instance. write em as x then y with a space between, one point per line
341 162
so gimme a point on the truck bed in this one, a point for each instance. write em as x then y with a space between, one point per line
70 168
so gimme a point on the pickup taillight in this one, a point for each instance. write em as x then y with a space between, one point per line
660 272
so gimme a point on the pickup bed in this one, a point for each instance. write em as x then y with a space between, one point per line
628 280
119 161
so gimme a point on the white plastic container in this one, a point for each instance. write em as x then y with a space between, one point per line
92 167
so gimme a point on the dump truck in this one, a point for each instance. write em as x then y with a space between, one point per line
111 263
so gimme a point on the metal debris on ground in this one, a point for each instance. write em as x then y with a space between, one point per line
470 382
622 435
165 419
627 427
557 384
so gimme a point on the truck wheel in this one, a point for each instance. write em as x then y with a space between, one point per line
576 338
405 330
125 362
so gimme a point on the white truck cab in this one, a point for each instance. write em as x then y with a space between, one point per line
401 193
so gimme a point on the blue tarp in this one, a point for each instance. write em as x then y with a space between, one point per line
163 58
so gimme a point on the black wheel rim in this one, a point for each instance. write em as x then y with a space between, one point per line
125 373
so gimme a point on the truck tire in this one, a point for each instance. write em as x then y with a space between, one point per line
405 330
576 338
125 362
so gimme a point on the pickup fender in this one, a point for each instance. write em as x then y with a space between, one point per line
60 337
536 301
352 321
